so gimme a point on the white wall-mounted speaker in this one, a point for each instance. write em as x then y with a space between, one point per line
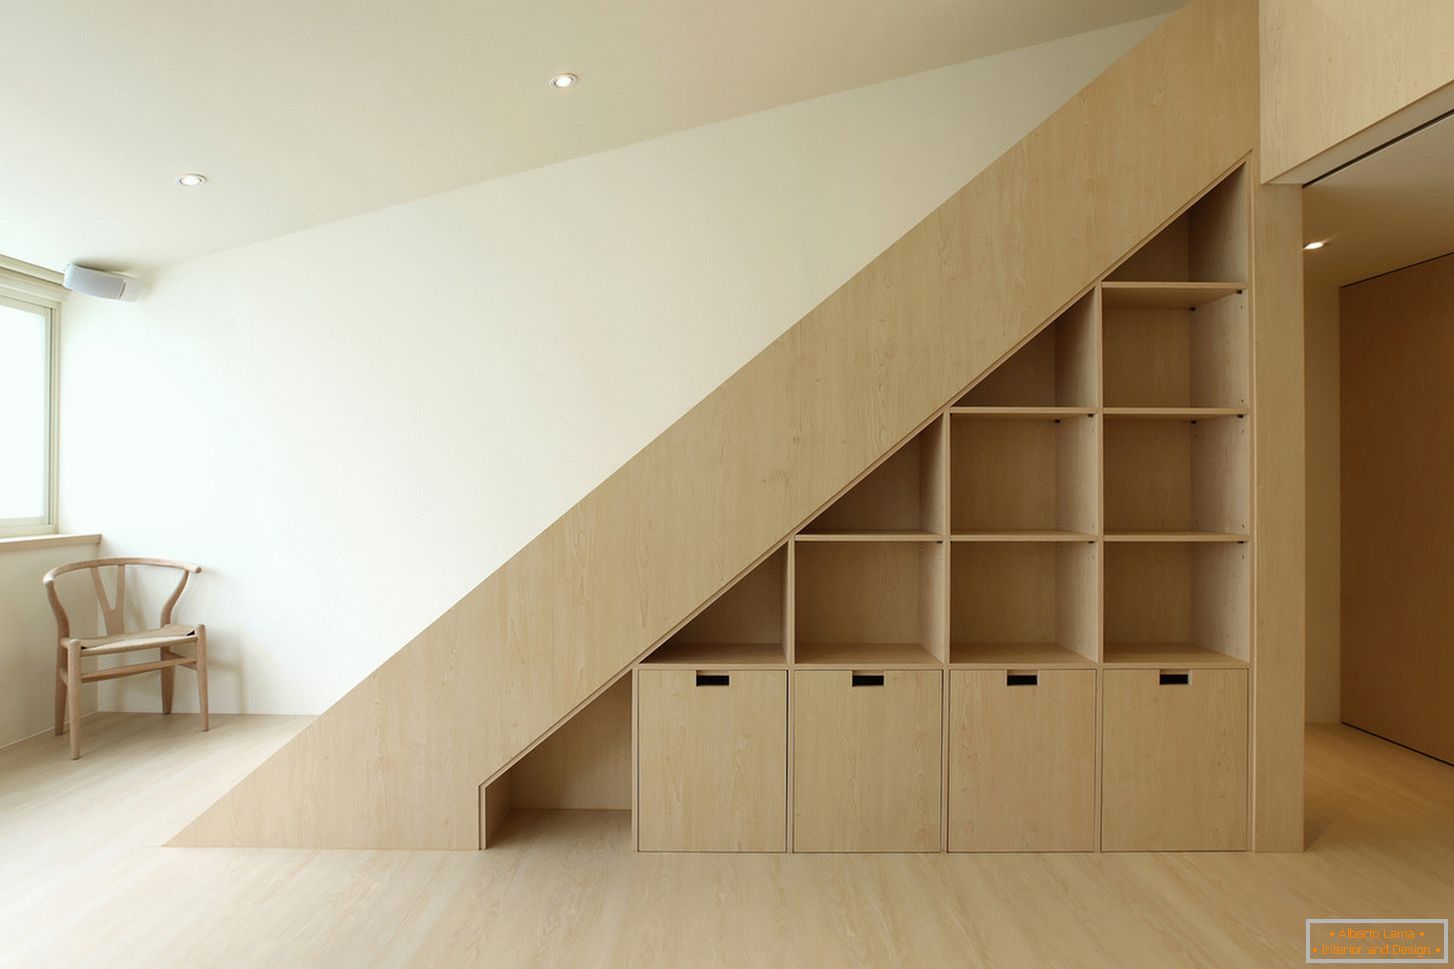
98 282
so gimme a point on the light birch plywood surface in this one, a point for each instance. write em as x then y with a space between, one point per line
88 884
398 761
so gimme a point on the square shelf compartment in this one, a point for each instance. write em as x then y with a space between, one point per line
1177 356
1177 605
1033 476
1024 604
869 604
1206 243
1176 476
903 496
1056 368
743 628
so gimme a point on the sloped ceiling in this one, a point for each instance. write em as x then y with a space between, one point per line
304 112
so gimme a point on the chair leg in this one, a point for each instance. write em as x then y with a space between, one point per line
169 680
60 690
202 674
73 696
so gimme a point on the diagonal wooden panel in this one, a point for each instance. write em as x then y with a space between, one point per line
397 762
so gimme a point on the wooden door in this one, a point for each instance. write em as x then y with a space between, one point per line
1398 524
712 760
866 760
1174 760
1022 760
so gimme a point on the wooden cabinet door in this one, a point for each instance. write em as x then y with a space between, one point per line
1174 760
1022 760
866 760
712 760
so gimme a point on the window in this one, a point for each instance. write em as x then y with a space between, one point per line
27 415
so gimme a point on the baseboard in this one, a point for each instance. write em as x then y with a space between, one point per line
47 730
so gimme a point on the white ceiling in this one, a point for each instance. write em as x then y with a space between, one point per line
1392 209
303 111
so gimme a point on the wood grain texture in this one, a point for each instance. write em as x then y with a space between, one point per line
586 764
1279 531
1174 761
95 889
1398 535
1022 762
1386 59
713 762
866 761
398 760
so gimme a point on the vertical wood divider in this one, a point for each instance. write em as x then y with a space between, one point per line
790 655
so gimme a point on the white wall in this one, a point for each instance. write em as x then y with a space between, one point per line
28 635
351 426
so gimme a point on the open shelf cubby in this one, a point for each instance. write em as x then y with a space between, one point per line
583 766
1174 316
1205 244
1056 368
1177 604
1018 477
1024 604
869 604
1177 476
743 628
902 498
1177 356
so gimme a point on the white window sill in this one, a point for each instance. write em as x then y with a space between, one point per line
45 541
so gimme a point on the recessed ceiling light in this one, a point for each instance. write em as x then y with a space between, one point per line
564 80
1313 245
191 180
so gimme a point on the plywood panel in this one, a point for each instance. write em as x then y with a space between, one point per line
1278 528
1174 761
752 611
1016 475
1022 761
866 761
1031 593
1332 69
903 494
713 761
586 764
397 762
1398 530
859 593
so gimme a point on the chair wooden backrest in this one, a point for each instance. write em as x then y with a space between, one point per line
113 613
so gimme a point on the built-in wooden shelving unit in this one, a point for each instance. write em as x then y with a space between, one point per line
1084 510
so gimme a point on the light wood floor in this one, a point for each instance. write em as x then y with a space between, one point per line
83 883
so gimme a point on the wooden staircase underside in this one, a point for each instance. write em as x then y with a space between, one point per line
398 761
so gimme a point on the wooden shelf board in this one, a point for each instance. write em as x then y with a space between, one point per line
1016 656
870 535
705 655
1025 535
1173 413
1023 413
1163 295
864 656
1170 536
1174 655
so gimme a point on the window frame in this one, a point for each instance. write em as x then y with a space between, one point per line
39 297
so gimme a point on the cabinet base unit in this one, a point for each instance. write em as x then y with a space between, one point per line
867 760
1174 760
712 760
1022 760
